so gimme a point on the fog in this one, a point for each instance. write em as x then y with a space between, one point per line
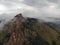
46 10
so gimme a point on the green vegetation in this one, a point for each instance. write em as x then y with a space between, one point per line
36 33
4 37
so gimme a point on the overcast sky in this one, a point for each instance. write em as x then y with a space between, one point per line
41 9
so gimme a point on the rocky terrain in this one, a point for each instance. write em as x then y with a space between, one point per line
28 31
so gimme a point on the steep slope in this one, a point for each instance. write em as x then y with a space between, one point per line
55 25
29 31
48 35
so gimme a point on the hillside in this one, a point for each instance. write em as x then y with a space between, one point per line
55 26
28 31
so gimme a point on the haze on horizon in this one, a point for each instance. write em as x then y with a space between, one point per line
41 9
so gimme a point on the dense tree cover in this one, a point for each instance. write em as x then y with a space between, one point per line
36 33
35 41
30 34
4 38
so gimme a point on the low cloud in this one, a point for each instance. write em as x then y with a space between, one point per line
31 8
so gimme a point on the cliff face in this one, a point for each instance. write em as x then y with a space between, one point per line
29 31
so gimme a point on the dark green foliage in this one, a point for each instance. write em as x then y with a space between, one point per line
29 23
5 38
31 39
33 20
35 41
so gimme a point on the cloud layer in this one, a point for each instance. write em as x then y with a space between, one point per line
31 8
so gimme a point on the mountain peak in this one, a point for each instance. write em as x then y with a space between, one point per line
19 15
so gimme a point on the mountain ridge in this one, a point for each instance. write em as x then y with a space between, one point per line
30 31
